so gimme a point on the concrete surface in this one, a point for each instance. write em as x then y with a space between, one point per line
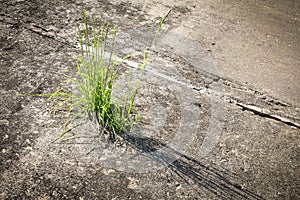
220 102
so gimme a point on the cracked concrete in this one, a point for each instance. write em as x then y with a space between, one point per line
220 102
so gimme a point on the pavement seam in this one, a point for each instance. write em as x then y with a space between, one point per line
266 113
262 112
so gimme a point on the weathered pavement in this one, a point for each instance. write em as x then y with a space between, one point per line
224 74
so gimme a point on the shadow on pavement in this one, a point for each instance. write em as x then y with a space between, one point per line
189 169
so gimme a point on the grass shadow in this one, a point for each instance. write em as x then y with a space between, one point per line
193 172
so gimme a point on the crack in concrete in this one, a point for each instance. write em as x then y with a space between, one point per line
262 112
266 113
276 106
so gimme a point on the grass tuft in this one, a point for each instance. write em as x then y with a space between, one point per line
96 75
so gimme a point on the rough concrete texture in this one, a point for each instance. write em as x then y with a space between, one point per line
220 100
